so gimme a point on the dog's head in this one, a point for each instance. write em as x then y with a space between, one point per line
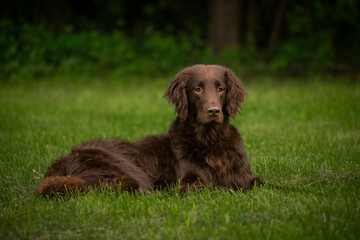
206 92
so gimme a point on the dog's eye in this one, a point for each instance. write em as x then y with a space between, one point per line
198 89
220 89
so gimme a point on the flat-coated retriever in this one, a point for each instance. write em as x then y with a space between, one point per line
201 148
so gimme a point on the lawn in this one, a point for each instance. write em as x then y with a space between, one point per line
302 135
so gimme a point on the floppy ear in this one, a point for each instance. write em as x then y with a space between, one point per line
235 95
176 94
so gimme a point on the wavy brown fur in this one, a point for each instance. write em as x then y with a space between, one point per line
201 148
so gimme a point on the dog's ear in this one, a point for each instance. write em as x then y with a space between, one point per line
176 94
235 95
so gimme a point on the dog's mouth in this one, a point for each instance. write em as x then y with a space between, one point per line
209 120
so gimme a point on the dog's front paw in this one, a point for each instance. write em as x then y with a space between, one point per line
190 187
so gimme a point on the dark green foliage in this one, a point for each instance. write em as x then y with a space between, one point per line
321 36
30 51
115 38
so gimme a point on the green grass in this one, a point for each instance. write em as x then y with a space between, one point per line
301 135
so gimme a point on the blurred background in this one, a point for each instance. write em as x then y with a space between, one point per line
115 38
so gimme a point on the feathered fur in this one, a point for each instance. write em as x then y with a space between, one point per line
201 148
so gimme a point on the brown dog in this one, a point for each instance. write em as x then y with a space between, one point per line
201 148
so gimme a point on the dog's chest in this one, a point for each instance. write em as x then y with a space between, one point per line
216 160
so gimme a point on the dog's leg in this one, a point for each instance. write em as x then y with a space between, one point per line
95 167
191 182
60 185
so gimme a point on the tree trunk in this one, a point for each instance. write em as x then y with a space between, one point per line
251 23
53 15
224 24
277 24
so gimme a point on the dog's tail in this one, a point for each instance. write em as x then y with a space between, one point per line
59 185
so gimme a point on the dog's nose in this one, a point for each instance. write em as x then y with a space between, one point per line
213 111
